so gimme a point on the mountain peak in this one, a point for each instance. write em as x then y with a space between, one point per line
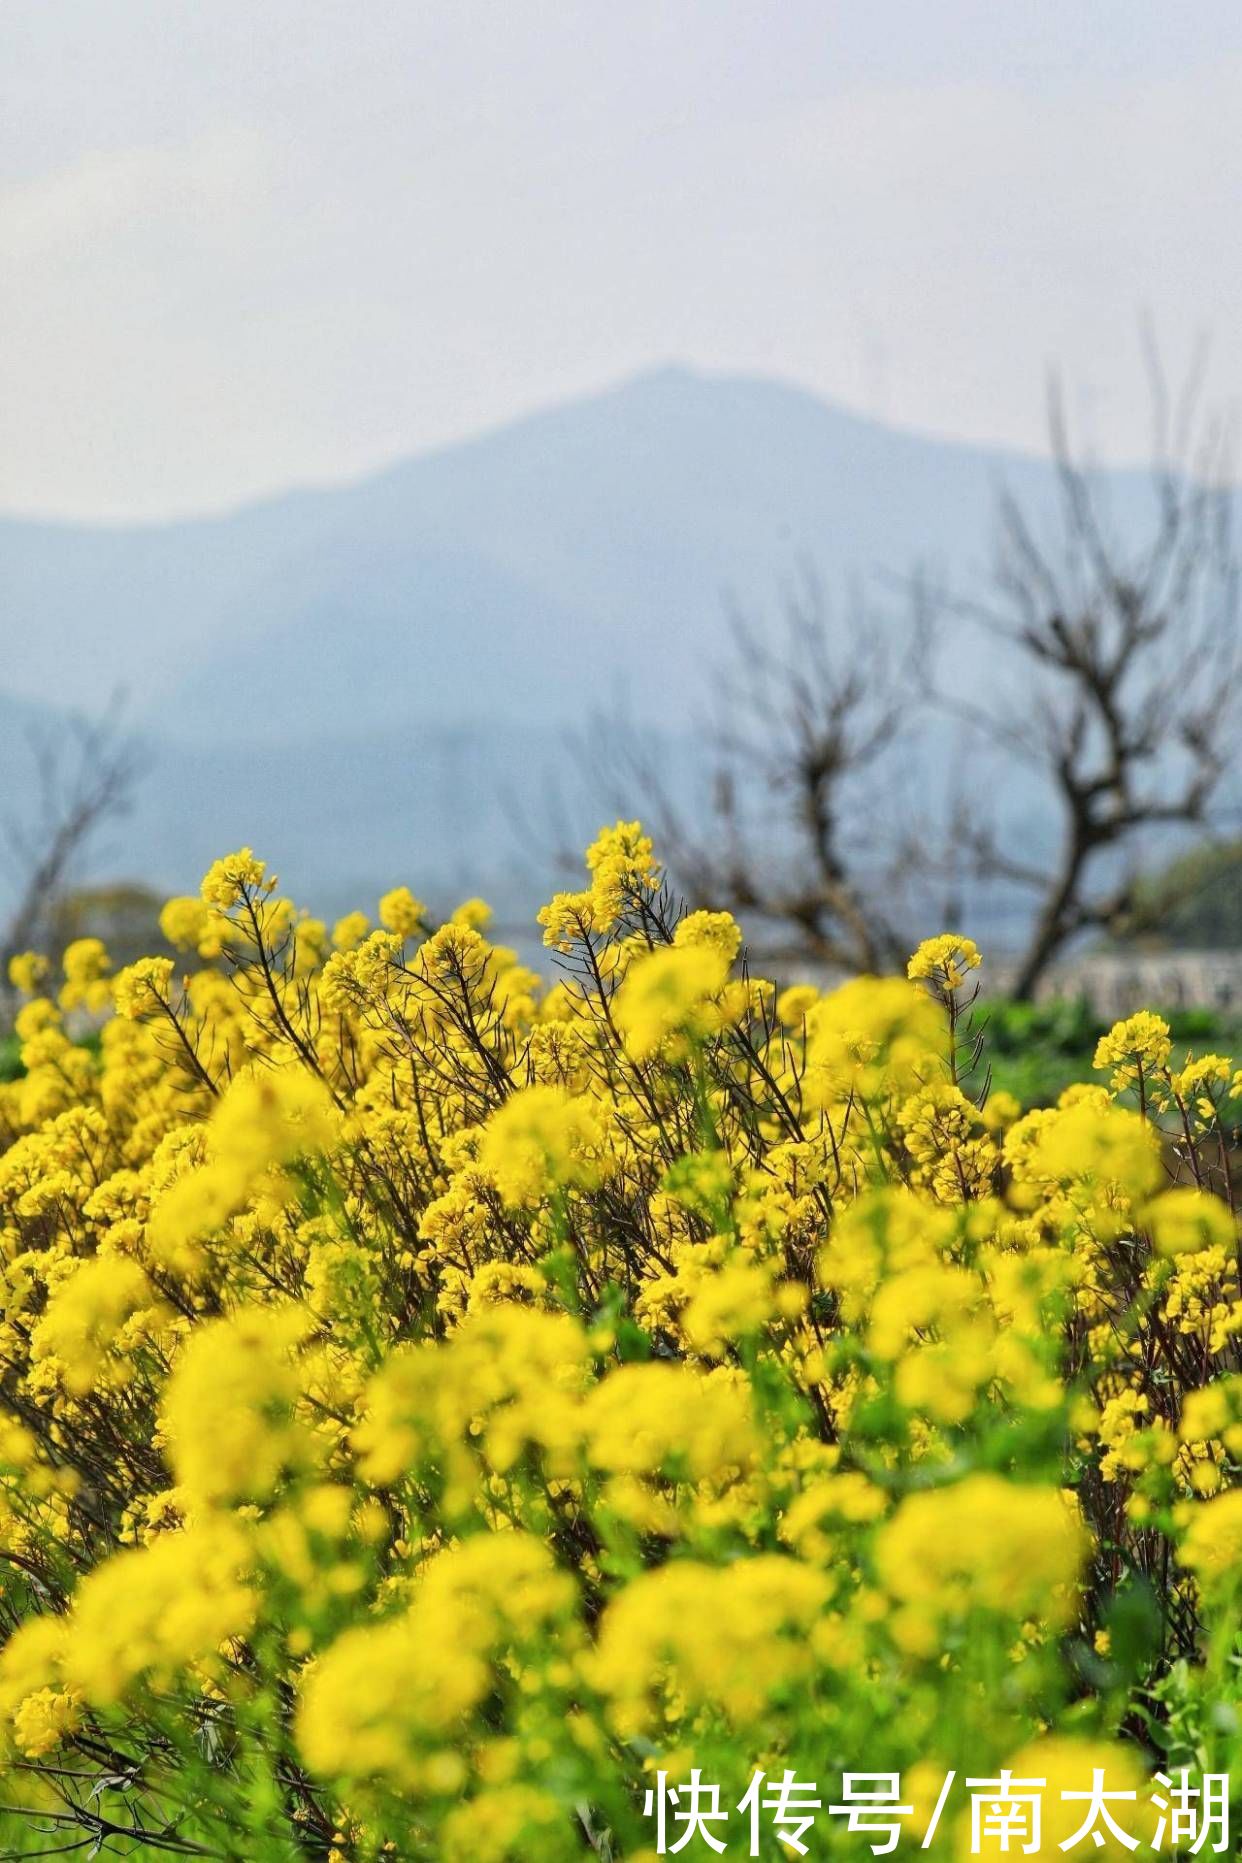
548 559
529 576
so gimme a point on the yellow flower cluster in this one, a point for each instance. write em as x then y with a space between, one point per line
432 1402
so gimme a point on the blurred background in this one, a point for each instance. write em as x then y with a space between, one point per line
431 430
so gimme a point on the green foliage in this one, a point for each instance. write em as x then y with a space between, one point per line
1196 901
1036 1050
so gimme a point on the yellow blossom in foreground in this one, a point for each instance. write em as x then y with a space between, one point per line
157 1611
349 932
873 1034
945 961
187 923
980 1545
85 1313
142 988
1138 1046
794 1004
1185 1219
730 1638
542 1139
231 1408
645 1418
669 993
432 1405
717 931
1212 1542
227 879
27 970
1066 1765
1102 1146
400 912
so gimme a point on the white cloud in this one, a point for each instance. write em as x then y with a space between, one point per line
97 208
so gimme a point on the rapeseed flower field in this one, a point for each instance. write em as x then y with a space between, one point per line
449 1415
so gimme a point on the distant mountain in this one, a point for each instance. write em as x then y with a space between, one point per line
572 551
372 679
452 810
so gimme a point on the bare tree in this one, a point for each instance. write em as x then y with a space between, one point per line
82 775
1126 651
1113 677
790 828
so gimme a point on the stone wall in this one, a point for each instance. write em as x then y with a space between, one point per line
1117 983
1114 983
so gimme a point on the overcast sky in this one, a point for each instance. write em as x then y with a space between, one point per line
249 243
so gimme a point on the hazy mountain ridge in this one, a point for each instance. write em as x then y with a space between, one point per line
628 514
373 682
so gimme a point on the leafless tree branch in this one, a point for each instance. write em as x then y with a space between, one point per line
1130 663
83 775
800 728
